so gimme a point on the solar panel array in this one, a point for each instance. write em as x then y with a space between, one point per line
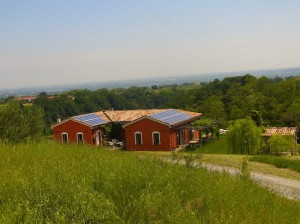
171 116
90 119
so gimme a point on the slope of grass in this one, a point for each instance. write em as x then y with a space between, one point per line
216 146
54 183
279 162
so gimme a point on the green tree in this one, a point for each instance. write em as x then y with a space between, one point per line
19 124
206 125
213 108
280 143
256 116
244 137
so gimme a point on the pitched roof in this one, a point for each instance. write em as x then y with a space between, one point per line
90 119
170 117
280 131
166 116
129 115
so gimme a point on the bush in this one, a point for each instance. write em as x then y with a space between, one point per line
280 143
245 170
19 124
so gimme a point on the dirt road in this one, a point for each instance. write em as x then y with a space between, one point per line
284 186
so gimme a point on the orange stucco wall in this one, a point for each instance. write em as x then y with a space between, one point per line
72 128
168 140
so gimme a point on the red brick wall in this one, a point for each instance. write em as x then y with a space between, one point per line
146 127
72 128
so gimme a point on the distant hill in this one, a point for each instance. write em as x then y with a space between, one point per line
184 78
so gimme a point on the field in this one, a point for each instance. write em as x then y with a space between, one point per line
55 183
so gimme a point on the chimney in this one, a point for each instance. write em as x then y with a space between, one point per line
58 120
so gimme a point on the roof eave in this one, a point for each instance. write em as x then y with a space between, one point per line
186 121
146 117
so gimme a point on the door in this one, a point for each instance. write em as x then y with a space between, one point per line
180 137
98 138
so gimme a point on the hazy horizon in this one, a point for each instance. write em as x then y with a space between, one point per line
65 42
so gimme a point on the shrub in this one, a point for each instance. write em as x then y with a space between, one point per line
19 124
280 143
245 170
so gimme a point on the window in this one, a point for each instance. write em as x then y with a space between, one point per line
80 138
64 137
156 138
138 138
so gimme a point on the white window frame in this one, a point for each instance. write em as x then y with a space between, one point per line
62 138
77 134
153 133
140 133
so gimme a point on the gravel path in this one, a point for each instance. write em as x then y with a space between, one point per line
284 186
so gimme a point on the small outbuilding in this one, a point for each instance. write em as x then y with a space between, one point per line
284 131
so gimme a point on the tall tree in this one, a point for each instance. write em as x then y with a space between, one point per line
19 124
244 137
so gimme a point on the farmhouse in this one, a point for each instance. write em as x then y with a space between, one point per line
153 129
286 131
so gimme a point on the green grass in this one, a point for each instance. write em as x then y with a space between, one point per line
2 106
216 146
277 161
55 183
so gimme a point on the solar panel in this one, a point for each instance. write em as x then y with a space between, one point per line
90 119
171 116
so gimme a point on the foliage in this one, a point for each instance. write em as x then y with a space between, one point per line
245 170
213 108
192 159
256 116
277 161
280 143
244 137
206 125
88 185
19 123
274 101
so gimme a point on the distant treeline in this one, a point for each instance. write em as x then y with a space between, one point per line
276 100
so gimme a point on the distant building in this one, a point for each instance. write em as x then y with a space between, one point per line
285 131
31 99
152 130
26 99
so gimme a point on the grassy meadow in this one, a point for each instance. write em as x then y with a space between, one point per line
55 183
216 146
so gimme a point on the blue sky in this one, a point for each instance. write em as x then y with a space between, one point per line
71 41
